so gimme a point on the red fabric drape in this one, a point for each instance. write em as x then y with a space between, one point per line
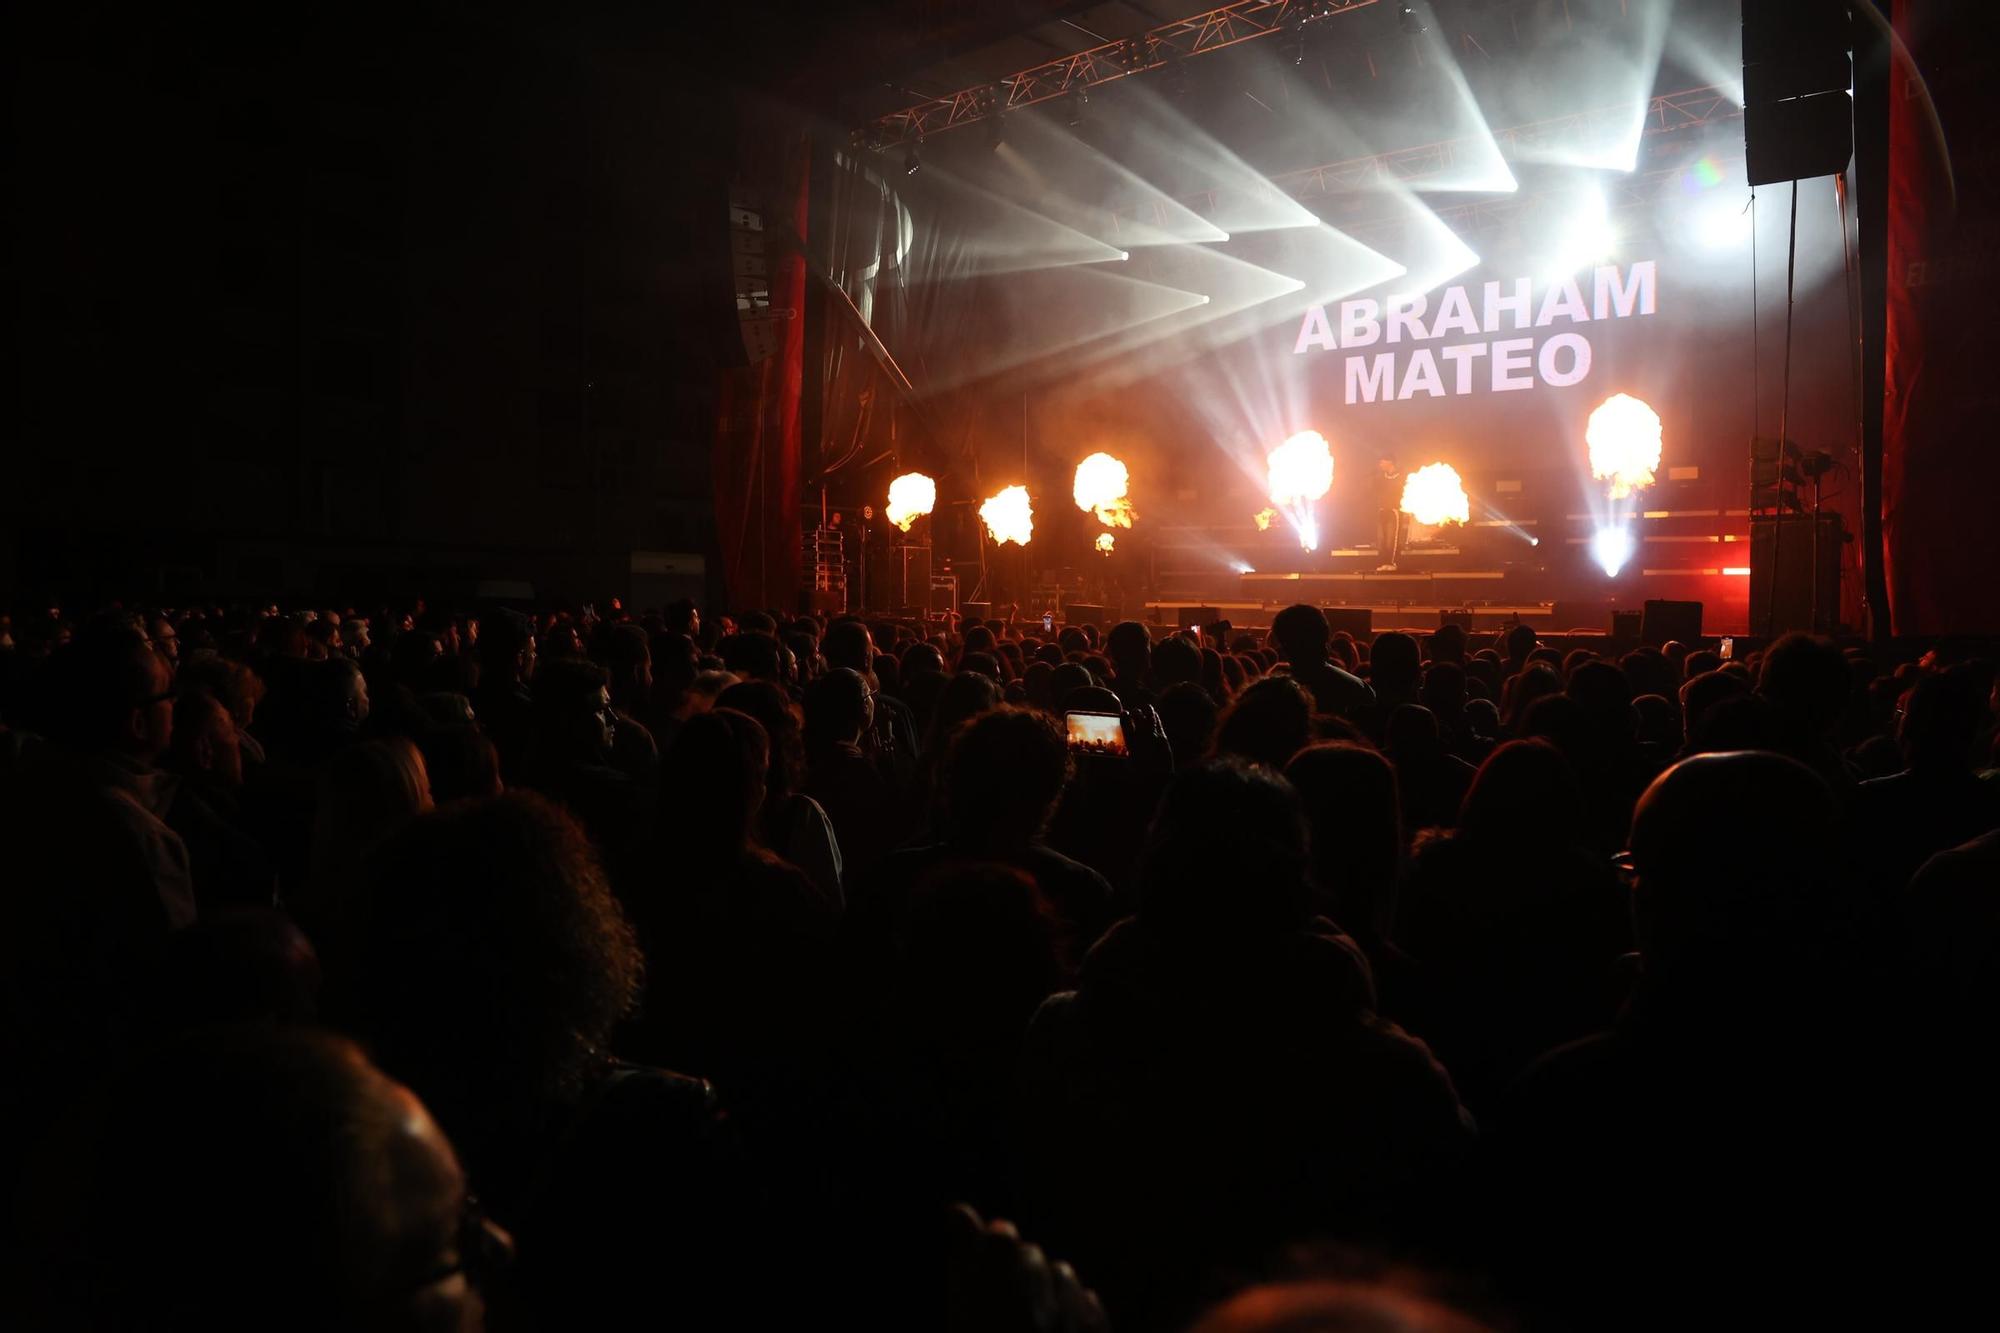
755 461
1940 468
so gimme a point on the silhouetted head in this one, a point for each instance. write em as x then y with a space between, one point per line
1444 691
111 691
918 659
1174 661
1130 648
1448 644
1003 774
1659 721
712 783
627 659
1605 696
779 717
1805 679
257 1177
1188 715
1736 857
965 696
848 643
1301 634
366 792
1702 693
492 962
1520 642
1393 663
1226 855
461 762
1268 723
839 708
572 711
1527 794
1412 735
1562 721
1355 816
1066 680
506 648
752 656
1942 722
205 742
1323 1306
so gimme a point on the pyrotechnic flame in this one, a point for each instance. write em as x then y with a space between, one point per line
1301 471
1105 541
1101 484
1009 517
1263 519
1434 496
911 496
1624 440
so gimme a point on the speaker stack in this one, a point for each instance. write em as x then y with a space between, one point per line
1798 117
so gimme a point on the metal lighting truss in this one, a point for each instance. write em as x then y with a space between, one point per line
1688 109
1243 21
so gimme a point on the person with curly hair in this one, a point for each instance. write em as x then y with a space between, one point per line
491 965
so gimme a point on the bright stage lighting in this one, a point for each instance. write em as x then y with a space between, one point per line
1105 541
1301 472
1434 496
1101 485
1623 436
911 496
1587 236
1611 548
1009 517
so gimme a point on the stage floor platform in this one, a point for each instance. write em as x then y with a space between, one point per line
1383 615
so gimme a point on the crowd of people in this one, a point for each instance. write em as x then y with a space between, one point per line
430 970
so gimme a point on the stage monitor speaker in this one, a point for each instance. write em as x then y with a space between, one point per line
1670 620
1565 616
1085 613
1782 580
974 612
1358 621
1798 119
1459 616
1196 615
1626 624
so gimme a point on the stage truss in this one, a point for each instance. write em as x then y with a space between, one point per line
1690 109
1156 48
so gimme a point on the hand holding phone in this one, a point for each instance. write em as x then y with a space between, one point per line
1097 734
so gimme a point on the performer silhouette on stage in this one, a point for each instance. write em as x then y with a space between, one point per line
1389 518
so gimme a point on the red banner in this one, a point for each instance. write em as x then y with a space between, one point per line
1941 469
755 462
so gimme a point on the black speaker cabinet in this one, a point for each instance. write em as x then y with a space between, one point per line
1625 625
1670 620
1196 615
1794 581
1085 613
1358 621
1798 119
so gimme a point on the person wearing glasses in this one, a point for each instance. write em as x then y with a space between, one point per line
271 1178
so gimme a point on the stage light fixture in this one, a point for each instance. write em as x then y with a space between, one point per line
996 131
1611 547
1079 102
1410 21
911 161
